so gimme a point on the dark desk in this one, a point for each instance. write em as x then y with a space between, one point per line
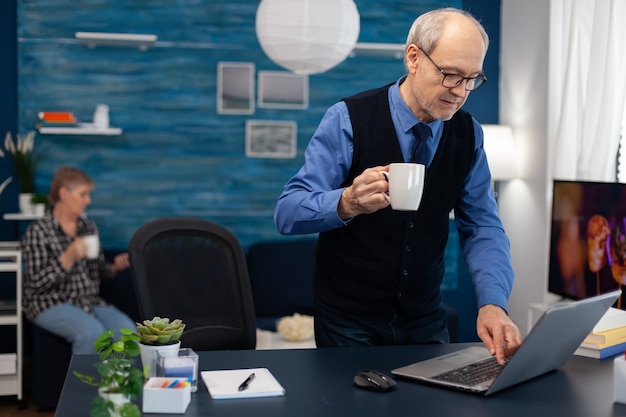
318 382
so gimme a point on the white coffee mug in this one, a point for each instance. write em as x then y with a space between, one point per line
406 185
92 242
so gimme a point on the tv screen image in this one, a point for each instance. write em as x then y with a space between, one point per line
587 239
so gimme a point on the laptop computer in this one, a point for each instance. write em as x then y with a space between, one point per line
549 345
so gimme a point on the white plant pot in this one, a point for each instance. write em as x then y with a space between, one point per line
148 356
117 399
26 207
39 209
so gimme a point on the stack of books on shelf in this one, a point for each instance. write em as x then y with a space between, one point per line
608 337
57 119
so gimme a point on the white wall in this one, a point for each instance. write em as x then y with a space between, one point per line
524 58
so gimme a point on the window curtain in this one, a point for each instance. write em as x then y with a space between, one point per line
588 77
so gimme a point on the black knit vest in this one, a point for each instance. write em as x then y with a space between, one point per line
393 261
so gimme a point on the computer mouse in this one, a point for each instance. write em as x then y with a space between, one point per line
374 381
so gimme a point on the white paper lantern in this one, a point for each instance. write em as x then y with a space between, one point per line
307 36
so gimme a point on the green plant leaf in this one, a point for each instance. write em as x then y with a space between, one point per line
87 379
101 407
130 410
131 347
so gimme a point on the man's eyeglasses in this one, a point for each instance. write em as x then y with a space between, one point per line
453 80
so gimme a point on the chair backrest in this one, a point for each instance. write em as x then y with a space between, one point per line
196 271
281 275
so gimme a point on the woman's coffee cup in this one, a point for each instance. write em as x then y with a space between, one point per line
92 243
406 185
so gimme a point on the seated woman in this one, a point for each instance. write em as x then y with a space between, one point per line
61 284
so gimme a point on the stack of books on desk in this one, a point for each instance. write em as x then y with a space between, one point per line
608 337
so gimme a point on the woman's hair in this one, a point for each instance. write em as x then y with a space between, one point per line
428 27
67 177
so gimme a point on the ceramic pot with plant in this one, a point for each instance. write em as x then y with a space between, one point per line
25 162
21 149
119 382
158 334
40 203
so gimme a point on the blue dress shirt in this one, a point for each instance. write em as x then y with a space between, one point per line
308 203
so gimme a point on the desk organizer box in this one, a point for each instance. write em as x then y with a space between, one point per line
157 398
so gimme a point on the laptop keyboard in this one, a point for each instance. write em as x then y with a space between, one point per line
472 374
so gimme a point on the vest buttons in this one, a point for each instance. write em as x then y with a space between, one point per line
405 273
407 248
411 225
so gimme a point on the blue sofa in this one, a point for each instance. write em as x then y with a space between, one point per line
281 277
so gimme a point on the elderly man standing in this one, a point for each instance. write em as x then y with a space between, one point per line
379 270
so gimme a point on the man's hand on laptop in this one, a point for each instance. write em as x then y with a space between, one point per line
498 332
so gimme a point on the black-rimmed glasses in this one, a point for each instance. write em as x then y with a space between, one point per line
454 80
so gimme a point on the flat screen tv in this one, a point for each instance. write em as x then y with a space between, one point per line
587 239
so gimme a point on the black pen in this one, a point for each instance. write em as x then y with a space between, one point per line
245 383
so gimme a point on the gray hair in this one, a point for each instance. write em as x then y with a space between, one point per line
428 27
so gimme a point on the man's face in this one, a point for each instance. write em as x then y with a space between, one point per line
456 53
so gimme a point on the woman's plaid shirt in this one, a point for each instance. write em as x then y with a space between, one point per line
46 281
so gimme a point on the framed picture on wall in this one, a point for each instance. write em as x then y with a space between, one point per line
235 88
283 90
271 139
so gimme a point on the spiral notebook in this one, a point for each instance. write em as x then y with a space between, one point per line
225 384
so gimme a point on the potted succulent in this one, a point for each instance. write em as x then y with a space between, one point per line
159 333
120 382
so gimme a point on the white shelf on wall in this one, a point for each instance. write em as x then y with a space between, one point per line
394 50
20 216
82 129
136 40
9 244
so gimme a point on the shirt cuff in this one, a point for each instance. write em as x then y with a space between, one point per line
493 297
330 205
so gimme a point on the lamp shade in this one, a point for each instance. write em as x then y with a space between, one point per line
307 36
500 149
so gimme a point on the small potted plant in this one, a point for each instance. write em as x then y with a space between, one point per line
25 162
159 333
40 203
120 382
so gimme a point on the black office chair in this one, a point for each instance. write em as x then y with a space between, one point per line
196 271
